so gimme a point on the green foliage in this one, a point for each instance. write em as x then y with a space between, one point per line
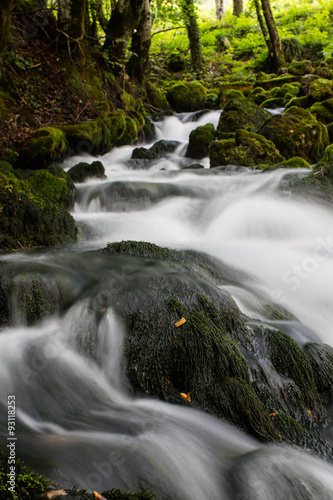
28 483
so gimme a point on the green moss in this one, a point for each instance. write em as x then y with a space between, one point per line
300 68
295 162
199 141
277 82
46 146
323 111
156 97
28 220
321 89
28 484
7 104
131 133
187 96
227 95
83 171
115 494
275 102
296 133
240 86
298 102
241 114
48 186
247 149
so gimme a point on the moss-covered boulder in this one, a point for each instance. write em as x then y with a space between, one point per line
156 97
187 96
53 187
200 139
241 114
292 49
176 61
247 149
323 111
46 146
298 102
97 136
273 103
296 133
27 219
277 82
83 171
300 68
241 86
226 95
320 89
295 162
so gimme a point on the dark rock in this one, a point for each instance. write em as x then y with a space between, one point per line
83 171
300 68
187 97
296 133
199 141
241 114
158 150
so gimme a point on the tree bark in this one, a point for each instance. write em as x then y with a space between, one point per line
276 46
5 17
193 33
219 9
71 21
97 13
140 46
263 25
238 7
124 20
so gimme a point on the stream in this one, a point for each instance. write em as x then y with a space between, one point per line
76 418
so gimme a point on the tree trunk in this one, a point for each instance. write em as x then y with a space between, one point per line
238 7
71 23
219 8
140 46
193 33
5 17
124 20
276 46
263 25
97 13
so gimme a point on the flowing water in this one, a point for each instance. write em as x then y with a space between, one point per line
76 418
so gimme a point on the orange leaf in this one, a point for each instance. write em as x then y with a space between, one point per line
180 322
273 414
186 396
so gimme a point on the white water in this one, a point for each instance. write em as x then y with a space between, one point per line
98 436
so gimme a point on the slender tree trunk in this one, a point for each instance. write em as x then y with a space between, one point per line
277 50
97 13
124 20
5 17
140 46
263 25
71 21
238 7
219 9
193 33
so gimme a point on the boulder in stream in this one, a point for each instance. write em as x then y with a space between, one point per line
83 171
241 114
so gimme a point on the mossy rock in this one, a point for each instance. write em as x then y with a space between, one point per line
323 111
187 97
200 357
300 68
273 103
83 171
131 133
247 149
227 95
51 188
199 141
277 82
240 86
46 146
296 133
96 137
298 102
324 72
176 62
27 220
159 149
295 162
292 49
321 359
156 97
321 89
287 88
241 114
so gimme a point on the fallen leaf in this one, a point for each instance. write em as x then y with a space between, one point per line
312 415
98 496
186 396
54 494
273 414
180 322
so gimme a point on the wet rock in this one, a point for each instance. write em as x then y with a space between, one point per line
241 114
185 97
300 68
247 149
199 141
83 171
296 133
160 149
